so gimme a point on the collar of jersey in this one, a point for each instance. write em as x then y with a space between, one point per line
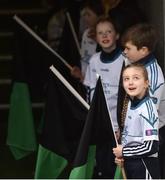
135 102
110 57
147 60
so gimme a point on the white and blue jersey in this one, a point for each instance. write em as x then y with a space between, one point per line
156 85
140 133
156 78
108 67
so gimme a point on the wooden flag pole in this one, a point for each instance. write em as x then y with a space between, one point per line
67 85
73 32
122 168
30 31
76 94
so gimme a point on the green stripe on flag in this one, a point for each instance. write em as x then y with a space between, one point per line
21 134
85 171
49 165
118 173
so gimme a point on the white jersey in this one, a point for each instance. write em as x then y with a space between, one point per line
156 80
88 48
110 75
161 110
141 123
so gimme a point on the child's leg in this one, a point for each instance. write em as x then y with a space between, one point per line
153 167
136 169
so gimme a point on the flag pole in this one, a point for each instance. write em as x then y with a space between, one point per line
76 94
73 32
30 31
70 88
122 168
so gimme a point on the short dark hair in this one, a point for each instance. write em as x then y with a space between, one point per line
141 34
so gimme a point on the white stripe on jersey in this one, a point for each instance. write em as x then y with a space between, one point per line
138 150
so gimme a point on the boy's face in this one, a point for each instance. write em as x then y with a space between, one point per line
134 82
132 53
106 36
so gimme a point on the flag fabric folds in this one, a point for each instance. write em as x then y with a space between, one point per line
118 173
21 134
64 119
30 70
97 130
21 137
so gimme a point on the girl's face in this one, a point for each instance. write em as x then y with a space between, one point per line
134 82
132 53
106 36
90 17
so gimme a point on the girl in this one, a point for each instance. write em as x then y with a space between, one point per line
107 64
139 147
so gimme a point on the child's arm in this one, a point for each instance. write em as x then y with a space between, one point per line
142 150
76 73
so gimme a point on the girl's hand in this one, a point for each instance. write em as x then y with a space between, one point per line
118 151
119 161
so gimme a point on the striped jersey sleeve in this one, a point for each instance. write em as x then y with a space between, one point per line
142 150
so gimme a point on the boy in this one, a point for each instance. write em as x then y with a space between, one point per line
139 42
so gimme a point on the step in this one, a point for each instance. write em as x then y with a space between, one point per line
5 4
33 17
6 42
37 105
5 91
6 66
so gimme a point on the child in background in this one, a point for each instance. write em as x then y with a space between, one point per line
107 64
91 11
140 142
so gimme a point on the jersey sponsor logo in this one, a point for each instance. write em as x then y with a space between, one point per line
94 70
151 132
105 70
